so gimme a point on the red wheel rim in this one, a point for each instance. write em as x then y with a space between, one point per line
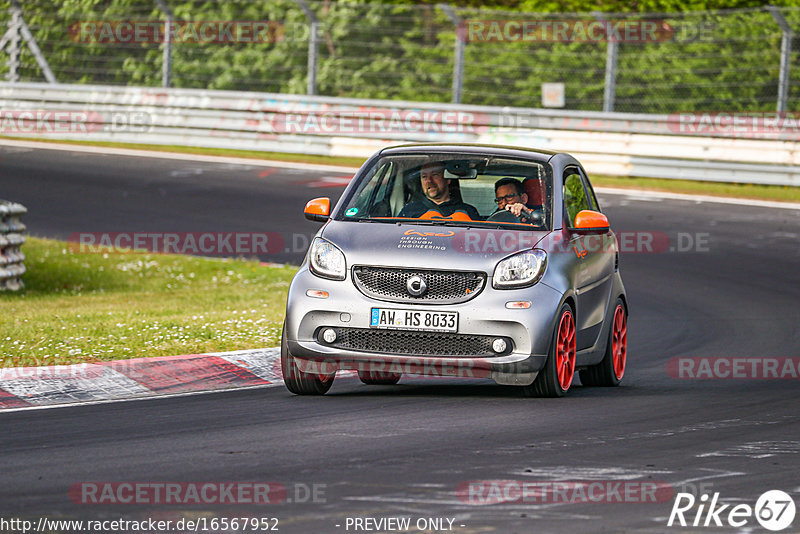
565 351
619 341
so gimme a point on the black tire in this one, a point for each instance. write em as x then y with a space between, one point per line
610 371
300 382
548 382
379 378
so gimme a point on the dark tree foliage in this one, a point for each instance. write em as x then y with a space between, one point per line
707 60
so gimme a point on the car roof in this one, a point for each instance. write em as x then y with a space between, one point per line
535 154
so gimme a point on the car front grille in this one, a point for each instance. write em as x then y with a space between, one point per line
444 287
415 343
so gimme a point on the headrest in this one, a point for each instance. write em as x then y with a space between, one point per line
533 187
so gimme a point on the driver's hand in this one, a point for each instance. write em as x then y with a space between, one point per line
519 210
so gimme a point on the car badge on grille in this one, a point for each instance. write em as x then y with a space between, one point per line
416 285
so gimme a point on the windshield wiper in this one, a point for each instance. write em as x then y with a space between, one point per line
439 222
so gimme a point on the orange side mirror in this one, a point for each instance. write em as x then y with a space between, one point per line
590 222
318 209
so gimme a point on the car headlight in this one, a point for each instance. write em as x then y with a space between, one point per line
519 270
326 260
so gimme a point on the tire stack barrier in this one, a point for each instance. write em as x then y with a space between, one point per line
11 239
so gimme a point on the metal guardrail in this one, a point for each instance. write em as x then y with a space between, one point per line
623 144
11 239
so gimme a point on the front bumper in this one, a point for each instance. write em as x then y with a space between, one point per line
528 331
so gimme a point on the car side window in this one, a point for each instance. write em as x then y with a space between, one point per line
590 192
575 196
385 181
370 187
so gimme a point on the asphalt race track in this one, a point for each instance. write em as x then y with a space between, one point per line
723 283
68 193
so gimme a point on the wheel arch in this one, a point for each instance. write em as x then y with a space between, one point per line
569 298
624 298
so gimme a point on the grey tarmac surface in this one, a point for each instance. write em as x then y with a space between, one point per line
405 450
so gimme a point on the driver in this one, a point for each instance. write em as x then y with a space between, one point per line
437 195
509 193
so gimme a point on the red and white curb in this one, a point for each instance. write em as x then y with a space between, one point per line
87 383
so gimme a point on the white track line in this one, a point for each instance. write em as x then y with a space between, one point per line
177 156
133 399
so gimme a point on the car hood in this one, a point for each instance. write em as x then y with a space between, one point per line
425 246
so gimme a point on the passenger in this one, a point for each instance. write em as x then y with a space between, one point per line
437 195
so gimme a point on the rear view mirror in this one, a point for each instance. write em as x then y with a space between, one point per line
459 170
469 174
318 209
590 222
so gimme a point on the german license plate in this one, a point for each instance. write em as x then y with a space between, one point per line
429 321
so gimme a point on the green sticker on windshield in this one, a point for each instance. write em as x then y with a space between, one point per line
351 212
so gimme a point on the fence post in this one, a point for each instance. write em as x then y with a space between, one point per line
610 90
786 50
610 86
313 37
18 27
458 58
166 62
12 40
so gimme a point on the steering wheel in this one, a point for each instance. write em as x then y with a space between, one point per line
503 216
533 217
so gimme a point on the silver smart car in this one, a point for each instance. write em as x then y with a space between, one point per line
459 260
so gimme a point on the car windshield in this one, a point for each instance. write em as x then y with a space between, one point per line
453 189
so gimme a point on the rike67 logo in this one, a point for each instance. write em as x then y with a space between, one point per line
774 510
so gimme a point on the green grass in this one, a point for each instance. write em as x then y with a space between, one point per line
83 307
759 192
